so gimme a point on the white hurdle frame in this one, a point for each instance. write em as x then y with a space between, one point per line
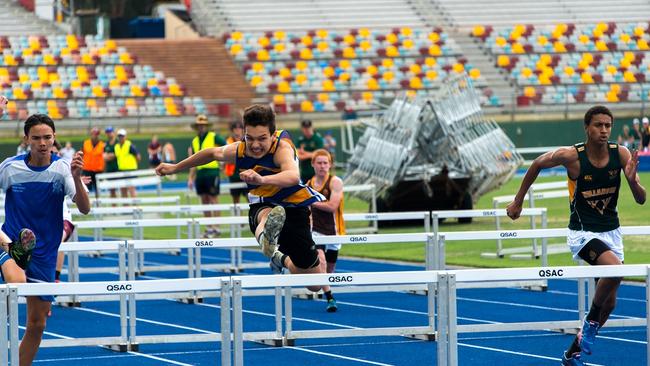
531 196
131 178
449 329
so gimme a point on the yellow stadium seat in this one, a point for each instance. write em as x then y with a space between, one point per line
175 90
125 58
328 85
612 97
263 55
87 59
23 78
279 35
48 59
526 72
392 51
367 97
500 41
72 42
237 36
349 52
284 87
75 84
152 82
372 84
322 46
503 61
364 32
36 85
306 54
321 33
328 71
90 103
172 110
408 43
601 45
478 31
625 63
415 83
530 92
279 47
10 60
365 45
391 38
629 77
256 80
136 91
542 40
371 70
583 38
518 48
349 39
285 72
323 97
58 93
301 78
344 64
168 100
263 41
569 71
625 38
306 106
616 88
558 46
474 73
301 65
344 77
642 44
258 67
110 44
236 49
278 99
597 32
434 50
306 40
406 31
587 78
42 73
98 92
19 94
583 64
12 107
430 61
415 68
434 37
458 68
388 76
387 63
411 93
544 79
27 52
431 75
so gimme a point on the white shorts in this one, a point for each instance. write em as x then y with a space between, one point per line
613 239
327 246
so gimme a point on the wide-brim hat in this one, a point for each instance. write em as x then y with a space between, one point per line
201 120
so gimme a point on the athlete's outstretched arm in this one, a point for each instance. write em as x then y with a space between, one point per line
81 196
225 154
562 156
630 164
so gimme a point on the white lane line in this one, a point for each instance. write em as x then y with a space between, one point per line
555 359
129 352
340 356
569 293
622 339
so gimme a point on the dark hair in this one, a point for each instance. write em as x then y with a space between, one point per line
260 115
37 119
236 124
57 145
305 123
598 109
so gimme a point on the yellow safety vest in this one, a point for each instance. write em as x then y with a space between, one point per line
125 160
208 142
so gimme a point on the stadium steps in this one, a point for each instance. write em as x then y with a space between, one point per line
17 21
203 66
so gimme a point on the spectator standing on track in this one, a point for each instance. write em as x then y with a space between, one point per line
327 217
205 177
307 143
236 134
267 161
127 159
93 149
36 183
110 160
594 170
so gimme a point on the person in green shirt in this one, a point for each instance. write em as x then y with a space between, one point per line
109 155
205 178
307 144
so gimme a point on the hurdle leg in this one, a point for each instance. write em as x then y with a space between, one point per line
4 336
226 355
441 334
288 318
647 315
237 326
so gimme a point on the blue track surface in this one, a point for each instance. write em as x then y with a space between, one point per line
614 346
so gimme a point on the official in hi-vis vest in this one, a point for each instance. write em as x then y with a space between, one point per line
93 149
205 178
127 157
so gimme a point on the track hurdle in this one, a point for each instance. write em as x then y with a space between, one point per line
133 178
537 191
448 328
242 284
134 201
128 340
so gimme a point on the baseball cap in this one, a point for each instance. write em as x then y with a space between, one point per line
121 132
305 123
645 120
635 121
109 129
